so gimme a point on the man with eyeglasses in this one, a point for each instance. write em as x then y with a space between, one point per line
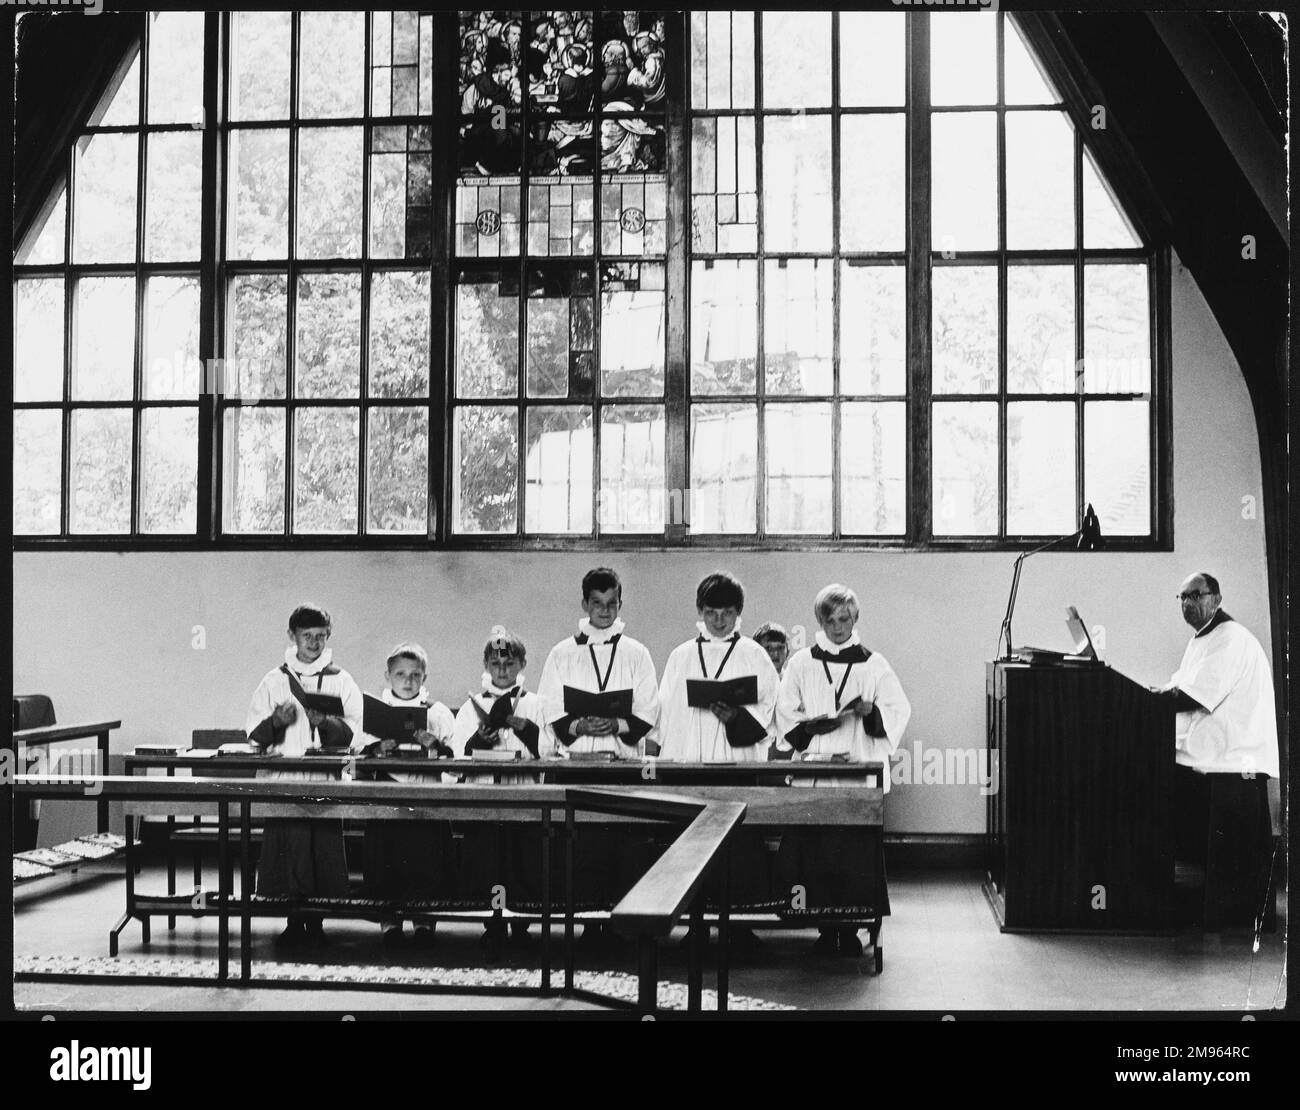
1227 749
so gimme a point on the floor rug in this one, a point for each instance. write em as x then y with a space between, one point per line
612 984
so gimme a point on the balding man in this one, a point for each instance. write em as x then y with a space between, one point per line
1227 749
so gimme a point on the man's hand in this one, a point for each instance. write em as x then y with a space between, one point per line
314 718
517 723
596 726
387 747
725 713
486 738
285 713
863 708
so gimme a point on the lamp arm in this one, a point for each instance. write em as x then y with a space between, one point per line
1015 587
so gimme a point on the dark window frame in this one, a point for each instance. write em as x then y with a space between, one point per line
215 273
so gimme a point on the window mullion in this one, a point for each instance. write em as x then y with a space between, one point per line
676 297
1004 476
920 527
442 296
208 508
291 275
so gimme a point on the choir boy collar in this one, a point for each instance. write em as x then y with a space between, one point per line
589 635
491 689
322 664
707 637
389 698
851 651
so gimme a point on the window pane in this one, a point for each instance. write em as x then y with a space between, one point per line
965 322
798 487
634 213
632 468
259 211
1117 330
176 67
259 62
399 334
329 192
797 183
253 471
963 58
397 471
1040 329
561 346
873 329
328 355
1024 81
965 463
121 106
964 158
724 327
1040 468
871 157
37 459
798 326
1040 181
561 217
724 468
485 492
257 337
388 200
103 363
103 203
325 470
173 197
632 330
558 470
722 59
1104 224
796 59
487 219
873 468
724 189
101 471
872 59
1117 465
171 338
487 337
169 471
331 64
45 242
38 339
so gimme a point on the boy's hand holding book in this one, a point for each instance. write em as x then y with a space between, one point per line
285 714
595 726
314 718
725 713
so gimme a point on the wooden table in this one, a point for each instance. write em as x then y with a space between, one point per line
54 734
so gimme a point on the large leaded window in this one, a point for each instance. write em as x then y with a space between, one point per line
488 278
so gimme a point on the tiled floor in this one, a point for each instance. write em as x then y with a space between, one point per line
942 951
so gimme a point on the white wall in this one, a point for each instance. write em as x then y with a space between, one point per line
109 635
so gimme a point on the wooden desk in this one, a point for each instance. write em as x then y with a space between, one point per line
1079 833
54 734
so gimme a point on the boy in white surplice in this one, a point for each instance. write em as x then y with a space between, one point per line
838 700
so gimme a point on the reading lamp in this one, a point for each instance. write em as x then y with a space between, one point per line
1088 538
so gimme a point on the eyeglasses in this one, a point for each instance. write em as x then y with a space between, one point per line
1194 593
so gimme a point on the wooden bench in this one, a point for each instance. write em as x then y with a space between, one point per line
648 914
773 810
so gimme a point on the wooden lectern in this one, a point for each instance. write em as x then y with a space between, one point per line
1079 828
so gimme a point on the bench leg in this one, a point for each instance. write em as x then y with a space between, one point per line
144 929
695 967
647 991
115 932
